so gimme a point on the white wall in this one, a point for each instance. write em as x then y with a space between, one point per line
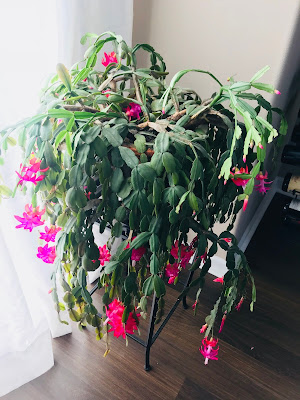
227 37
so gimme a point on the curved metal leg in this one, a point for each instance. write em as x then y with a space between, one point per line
154 308
189 280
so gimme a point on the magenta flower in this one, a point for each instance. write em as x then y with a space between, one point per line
172 271
239 181
31 218
133 111
50 233
184 254
239 305
114 315
104 254
207 349
261 187
219 280
175 250
109 58
186 259
30 173
47 254
136 254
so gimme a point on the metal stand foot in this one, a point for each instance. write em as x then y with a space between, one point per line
189 280
184 303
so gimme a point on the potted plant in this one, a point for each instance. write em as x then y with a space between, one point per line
121 146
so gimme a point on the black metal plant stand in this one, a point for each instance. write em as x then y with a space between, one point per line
151 338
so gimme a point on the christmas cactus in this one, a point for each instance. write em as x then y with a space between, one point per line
122 147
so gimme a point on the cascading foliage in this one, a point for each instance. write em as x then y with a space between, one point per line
121 145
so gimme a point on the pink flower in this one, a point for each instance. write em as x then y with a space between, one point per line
133 111
239 305
207 349
175 249
104 254
30 173
172 271
136 254
50 233
186 259
261 187
104 91
109 58
29 178
184 254
47 254
114 318
244 158
84 80
246 199
203 329
31 218
222 323
227 240
239 181
219 280
277 91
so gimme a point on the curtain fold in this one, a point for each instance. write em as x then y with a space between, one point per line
40 35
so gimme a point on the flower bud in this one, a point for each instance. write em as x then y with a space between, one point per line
245 203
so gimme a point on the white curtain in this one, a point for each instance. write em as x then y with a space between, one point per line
35 36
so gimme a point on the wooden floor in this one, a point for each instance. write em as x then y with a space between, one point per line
259 355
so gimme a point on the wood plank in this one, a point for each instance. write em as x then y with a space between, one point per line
259 355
